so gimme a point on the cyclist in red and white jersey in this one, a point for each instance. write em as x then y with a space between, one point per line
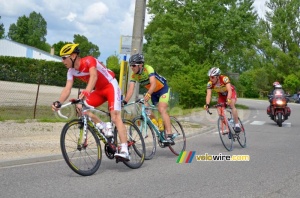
101 87
226 91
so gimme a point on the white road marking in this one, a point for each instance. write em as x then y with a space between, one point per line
257 122
288 124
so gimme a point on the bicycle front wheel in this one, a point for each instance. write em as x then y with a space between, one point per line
83 155
225 134
148 135
136 145
178 137
241 136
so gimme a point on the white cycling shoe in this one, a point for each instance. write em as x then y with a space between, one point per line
123 155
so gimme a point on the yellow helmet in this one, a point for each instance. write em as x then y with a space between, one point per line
68 49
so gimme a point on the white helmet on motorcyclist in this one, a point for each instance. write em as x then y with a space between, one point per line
278 87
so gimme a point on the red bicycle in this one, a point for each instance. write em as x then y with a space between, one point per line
225 127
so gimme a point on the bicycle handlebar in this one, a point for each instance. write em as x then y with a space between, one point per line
74 101
217 105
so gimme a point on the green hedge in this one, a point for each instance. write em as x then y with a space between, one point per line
26 70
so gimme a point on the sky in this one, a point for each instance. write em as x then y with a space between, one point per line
103 22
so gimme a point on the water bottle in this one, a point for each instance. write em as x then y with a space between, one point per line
160 124
154 122
101 126
231 122
108 130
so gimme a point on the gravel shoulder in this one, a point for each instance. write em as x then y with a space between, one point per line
29 140
34 139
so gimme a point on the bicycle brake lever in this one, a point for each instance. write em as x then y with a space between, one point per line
208 112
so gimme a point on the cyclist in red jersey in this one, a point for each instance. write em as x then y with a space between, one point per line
101 87
226 91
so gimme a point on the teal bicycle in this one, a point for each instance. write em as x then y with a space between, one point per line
151 132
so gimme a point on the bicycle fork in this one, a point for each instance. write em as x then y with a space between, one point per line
82 139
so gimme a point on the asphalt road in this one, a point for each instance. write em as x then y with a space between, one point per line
273 169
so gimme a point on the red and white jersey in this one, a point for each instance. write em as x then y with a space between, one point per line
105 76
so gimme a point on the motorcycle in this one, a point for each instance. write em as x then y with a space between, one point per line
278 110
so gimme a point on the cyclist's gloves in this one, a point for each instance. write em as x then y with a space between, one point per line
206 107
57 104
228 101
123 103
147 97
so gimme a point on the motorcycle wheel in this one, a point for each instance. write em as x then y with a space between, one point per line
279 119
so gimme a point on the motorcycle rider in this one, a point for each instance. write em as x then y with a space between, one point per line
276 91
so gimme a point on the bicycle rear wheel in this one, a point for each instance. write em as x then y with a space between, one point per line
178 137
148 135
82 156
241 136
225 134
136 145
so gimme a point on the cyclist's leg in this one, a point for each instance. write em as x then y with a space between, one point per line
162 107
112 92
221 100
95 99
237 127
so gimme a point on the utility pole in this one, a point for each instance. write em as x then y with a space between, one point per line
137 38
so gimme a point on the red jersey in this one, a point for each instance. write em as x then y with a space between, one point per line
220 87
105 76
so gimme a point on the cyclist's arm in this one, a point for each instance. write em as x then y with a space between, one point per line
129 91
229 90
66 91
152 84
208 95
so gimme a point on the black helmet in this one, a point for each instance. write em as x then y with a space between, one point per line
136 58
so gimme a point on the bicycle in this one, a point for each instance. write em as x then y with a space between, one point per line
225 128
150 131
80 141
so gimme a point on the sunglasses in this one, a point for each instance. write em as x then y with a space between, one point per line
212 77
134 65
64 57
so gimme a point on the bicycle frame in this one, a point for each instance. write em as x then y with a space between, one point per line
221 108
227 133
146 117
152 125
86 120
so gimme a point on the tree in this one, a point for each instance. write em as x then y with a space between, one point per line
199 34
113 64
30 31
86 47
292 83
2 30
279 41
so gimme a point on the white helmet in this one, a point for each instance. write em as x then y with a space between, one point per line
214 72
278 87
